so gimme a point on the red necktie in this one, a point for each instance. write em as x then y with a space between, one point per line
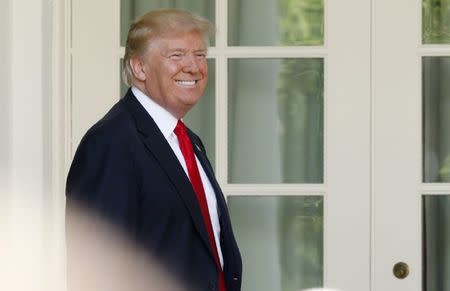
196 181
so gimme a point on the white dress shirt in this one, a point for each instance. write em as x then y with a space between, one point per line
166 123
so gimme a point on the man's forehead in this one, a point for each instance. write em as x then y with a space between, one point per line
179 41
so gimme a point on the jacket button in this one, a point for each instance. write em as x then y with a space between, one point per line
211 286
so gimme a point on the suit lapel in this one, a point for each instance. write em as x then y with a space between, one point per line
222 209
160 148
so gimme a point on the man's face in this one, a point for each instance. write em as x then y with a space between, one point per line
176 71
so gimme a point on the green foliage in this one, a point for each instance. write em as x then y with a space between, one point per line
302 22
436 21
445 170
300 103
301 245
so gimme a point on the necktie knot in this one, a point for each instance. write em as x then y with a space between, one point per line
180 129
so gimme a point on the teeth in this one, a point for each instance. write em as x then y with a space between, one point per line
186 82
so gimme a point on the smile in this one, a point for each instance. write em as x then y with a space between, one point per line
186 82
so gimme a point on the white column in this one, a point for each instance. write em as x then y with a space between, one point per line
29 95
5 140
5 96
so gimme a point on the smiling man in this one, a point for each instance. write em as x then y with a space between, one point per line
141 169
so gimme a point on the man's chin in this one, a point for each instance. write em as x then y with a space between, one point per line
189 100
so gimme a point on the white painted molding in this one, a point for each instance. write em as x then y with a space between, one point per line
5 98
32 151
27 167
5 142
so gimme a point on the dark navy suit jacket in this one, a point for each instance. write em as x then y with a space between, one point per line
125 170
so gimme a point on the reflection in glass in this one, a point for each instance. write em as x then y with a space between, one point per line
281 241
436 21
201 118
436 118
275 120
436 242
131 9
281 22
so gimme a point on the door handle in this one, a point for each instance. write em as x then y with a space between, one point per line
401 270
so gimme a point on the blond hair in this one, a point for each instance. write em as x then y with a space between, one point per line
156 23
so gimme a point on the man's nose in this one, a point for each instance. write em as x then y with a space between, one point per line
192 65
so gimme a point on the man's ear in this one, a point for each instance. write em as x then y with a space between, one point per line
137 68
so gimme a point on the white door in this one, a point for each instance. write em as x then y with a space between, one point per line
411 144
312 119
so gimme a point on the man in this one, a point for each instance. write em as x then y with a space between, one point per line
140 168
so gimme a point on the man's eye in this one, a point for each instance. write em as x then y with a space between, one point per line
201 55
176 55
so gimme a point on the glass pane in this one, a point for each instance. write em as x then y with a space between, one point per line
131 9
436 21
275 120
281 22
436 120
281 241
201 118
436 243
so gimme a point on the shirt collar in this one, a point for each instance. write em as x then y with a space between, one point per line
165 121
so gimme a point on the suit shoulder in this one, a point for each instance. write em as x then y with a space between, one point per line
116 125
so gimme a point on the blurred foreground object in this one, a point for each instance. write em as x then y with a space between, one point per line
100 257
